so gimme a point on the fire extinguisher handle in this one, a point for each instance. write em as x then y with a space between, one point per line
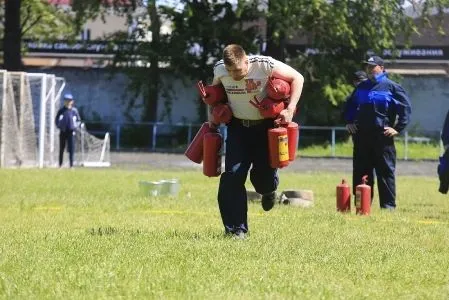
365 179
201 89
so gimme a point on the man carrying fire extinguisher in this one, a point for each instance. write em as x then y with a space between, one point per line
377 111
244 77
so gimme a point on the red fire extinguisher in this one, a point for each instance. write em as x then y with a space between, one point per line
268 108
211 94
195 150
363 197
293 136
221 113
278 89
278 147
212 154
343 197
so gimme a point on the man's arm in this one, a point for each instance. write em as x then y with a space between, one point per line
77 114
445 133
349 112
57 118
403 107
77 122
296 80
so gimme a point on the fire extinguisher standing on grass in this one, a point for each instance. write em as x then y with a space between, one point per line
343 197
363 197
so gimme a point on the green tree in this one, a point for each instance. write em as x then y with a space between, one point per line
139 58
342 32
30 19
201 29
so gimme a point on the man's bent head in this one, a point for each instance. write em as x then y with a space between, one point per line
236 61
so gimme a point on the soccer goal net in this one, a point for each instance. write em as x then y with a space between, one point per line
90 150
28 134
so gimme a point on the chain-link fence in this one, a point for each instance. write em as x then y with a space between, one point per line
319 141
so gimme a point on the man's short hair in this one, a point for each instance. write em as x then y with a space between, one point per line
233 54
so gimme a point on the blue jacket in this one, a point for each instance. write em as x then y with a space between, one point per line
445 133
378 104
67 119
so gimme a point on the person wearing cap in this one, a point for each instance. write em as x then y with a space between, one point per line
358 77
377 111
443 166
67 120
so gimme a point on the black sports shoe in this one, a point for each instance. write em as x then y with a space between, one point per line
268 201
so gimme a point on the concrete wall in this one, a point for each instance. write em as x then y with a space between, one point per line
96 94
430 101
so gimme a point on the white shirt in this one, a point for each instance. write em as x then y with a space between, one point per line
239 93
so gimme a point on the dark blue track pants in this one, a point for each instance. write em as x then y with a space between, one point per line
66 138
374 151
245 147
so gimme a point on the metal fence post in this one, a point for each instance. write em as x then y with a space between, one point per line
153 142
83 128
189 134
333 142
117 139
224 133
406 145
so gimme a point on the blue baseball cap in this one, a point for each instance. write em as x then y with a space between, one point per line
68 97
375 61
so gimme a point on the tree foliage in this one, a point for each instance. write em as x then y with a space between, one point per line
341 32
30 19
201 29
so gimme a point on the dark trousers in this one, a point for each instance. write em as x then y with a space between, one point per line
374 151
443 172
69 138
245 146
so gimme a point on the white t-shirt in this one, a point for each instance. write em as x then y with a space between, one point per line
253 84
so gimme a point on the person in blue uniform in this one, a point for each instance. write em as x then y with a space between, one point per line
377 111
443 166
67 120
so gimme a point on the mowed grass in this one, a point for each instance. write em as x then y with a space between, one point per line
90 234
414 151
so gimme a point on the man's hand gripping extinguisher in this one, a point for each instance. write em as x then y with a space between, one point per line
363 197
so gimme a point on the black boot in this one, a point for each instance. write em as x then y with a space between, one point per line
268 201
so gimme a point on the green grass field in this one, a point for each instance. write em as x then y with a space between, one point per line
89 234
414 151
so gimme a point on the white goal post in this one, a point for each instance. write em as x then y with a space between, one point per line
90 150
28 134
